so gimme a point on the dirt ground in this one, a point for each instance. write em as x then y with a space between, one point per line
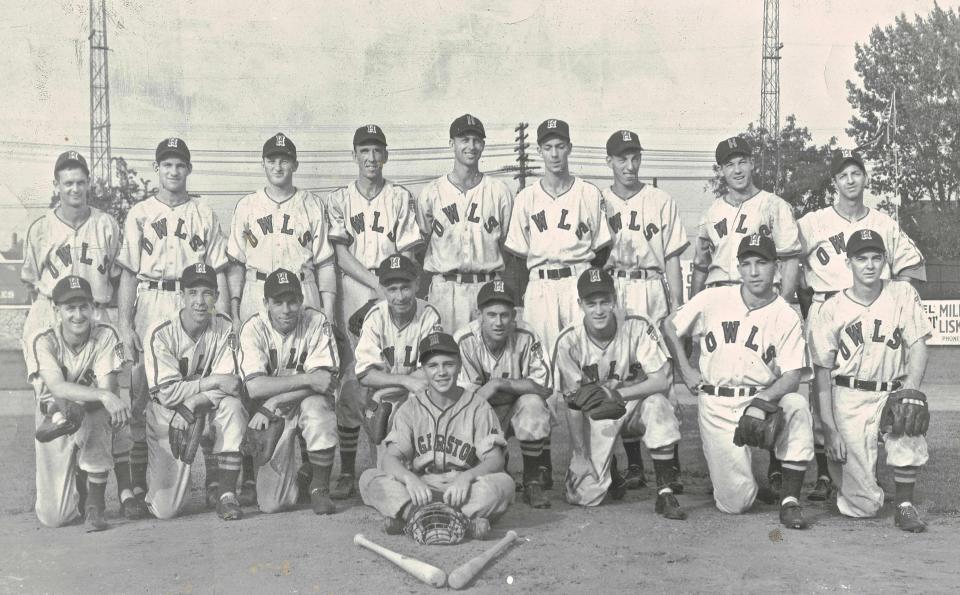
617 547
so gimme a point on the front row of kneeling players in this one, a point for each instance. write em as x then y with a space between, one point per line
492 382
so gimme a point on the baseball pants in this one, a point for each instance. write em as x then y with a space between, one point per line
153 305
646 297
352 296
552 304
814 399
455 302
528 418
251 301
489 497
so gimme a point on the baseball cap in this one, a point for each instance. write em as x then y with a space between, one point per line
199 274
435 343
280 144
594 281
371 133
621 141
495 291
735 145
465 124
70 159
396 268
843 157
865 239
70 288
552 127
172 146
281 281
758 245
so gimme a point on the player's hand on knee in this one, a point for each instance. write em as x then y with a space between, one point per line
321 381
834 447
118 409
457 493
227 383
131 344
418 491
178 423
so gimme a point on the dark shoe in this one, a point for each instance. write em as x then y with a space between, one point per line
134 509
534 496
821 490
344 488
775 481
248 494
634 478
908 519
766 496
212 495
304 477
321 502
676 487
81 478
791 516
393 526
669 508
479 528
229 509
93 519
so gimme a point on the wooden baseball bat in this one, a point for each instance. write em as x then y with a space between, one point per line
465 573
421 570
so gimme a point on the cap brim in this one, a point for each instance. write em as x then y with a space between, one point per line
425 355
292 291
73 295
497 300
550 135
272 152
199 283
466 131
164 154
759 253
734 153
393 278
597 291
847 161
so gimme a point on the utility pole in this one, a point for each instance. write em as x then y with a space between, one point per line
100 157
770 92
521 150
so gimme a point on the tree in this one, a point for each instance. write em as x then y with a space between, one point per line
116 199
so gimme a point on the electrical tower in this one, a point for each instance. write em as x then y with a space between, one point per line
100 162
770 92
522 158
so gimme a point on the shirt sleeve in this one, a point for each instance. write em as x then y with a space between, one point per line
648 352
336 218
425 209
30 271
791 349
164 379
566 367
430 322
673 234
471 373
129 257
487 434
321 349
518 234
689 318
237 244
601 237
907 259
109 354
537 368
254 352
113 247
401 432
217 248
506 211
822 337
703 249
407 231
786 234
369 351
916 323
43 354
322 250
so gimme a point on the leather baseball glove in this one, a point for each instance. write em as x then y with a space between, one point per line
905 413
437 523
261 444
598 402
756 432
355 322
184 443
62 417
501 399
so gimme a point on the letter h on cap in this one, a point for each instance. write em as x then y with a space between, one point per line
394 262
74 283
282 278
371 128
594 276
551 124
434 340
173 143
866 235
625 134
200 268
498 286
281 140
755 239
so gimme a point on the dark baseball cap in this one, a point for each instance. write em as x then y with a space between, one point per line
280 282
369 134
495 291
71 288
396 268
466 124
552 127
865 239
172 146
69 159
437 342
622 141
758 245
280 144
594 281
199 274
735 145
841 158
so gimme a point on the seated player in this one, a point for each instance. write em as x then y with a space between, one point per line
73 367
463 466
869 346
751 362
622 353
289 363
502 360
191 371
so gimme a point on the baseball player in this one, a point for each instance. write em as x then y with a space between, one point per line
867 342
290 366
77 359
619 351
823 236
162 235
190 371
462 464
751 353
464 217
370 219
503 361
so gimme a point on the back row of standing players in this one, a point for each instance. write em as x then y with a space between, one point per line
561 226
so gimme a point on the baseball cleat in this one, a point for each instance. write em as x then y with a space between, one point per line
344 487
212 495
534 496
479 528
93 519
766 496
634 478
320 501
228 508
668 507
676 487
908 519
393 525
248 493
134 509
791 516
821 490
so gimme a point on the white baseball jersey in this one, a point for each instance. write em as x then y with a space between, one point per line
521 357
393 349
869 342
54 249
464 229
159 241
310 346
374 228
646 229
99 357
558 231
267 235
738 346
723 225
824 234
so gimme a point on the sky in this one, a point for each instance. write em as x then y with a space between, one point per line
226 74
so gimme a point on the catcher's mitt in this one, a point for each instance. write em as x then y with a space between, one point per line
501 399
355 322
905 413
437 523
62 417
598 402
261 444
760 433
184 443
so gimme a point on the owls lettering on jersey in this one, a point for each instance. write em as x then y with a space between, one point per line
557 232
634 352
267 235
391 348
160 241
522 357
307 348
171 357
824 233
54 249
435 440
740 346
646 229
869 342
464 229
99 357
376 228
723 225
